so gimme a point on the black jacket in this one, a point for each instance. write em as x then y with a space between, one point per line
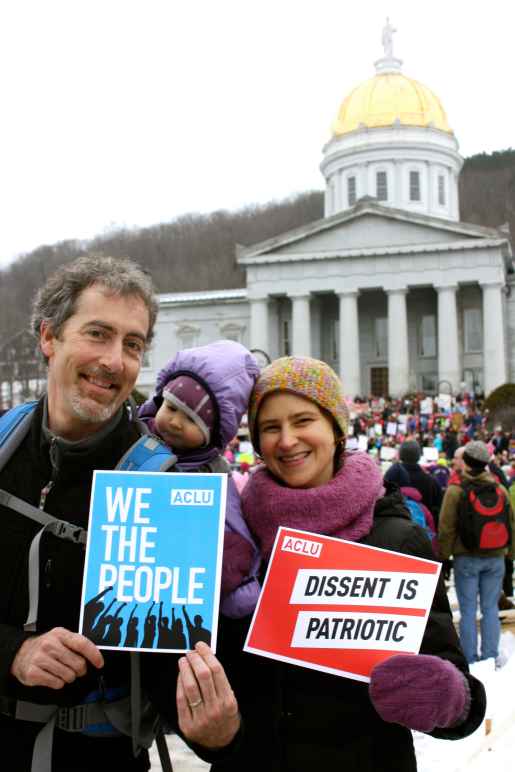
61 568
417 478
298 719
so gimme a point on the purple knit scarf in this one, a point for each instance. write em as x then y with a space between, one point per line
343 507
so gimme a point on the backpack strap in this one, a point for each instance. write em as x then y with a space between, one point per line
162 749
138 721
74 719
135 702
147 454
14 427
59 528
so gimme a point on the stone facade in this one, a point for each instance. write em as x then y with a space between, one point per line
193 319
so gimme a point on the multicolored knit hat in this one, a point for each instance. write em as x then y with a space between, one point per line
306 377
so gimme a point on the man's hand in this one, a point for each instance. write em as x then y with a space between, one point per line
54 659
206 705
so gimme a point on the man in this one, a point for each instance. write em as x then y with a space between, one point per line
500 440
93 319
504 603
450 443
477 572
458 466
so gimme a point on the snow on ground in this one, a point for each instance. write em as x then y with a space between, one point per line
492 746
183 759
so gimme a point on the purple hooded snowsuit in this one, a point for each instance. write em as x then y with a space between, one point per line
228 371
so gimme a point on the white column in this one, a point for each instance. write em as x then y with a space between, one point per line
259 323
338 191
449 368
399 182
398 357
350 368
453 191
327 199
333 194
494 344
430 194
301 325
361 182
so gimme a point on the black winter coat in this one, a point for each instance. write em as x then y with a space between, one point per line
297 719
61 569
417 478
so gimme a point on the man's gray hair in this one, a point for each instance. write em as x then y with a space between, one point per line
56 301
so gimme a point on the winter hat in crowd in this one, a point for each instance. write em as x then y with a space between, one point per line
476 455
410 452
306 377
188 395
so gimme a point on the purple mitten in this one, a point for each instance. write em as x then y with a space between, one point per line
420 691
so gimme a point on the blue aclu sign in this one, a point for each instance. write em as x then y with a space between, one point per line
153 560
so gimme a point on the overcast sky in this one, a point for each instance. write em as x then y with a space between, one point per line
132 112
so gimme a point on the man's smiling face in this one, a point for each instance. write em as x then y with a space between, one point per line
94 362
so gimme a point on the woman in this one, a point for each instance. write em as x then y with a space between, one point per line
296 718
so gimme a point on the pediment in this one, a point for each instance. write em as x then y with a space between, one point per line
371 228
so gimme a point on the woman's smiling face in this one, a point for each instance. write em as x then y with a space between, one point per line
297 440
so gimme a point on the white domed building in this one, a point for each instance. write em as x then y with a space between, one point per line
389 288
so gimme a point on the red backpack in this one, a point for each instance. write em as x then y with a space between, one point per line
484 517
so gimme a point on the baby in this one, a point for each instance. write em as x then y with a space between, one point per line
200 398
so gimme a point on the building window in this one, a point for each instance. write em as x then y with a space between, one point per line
147 358
381 186
187 336
428 383
414 186
379 381
381 338
351 190
441 190
232 332
285 338
428 336
474 380
473 328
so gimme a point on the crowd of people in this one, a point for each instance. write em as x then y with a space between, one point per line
439 425
431 448
67 705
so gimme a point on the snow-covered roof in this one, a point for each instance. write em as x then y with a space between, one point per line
202 296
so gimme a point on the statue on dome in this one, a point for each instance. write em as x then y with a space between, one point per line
387 38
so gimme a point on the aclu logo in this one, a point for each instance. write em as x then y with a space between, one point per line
191 498
312 549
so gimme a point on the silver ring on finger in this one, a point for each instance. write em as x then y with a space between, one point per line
196 703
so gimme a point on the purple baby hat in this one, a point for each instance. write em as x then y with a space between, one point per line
188 395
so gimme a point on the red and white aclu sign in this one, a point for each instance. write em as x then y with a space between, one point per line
338 606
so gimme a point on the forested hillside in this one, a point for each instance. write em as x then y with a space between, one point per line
487 189
198 251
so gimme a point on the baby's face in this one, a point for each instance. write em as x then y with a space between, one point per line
177 429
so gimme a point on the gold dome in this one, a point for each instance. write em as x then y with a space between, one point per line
386 98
